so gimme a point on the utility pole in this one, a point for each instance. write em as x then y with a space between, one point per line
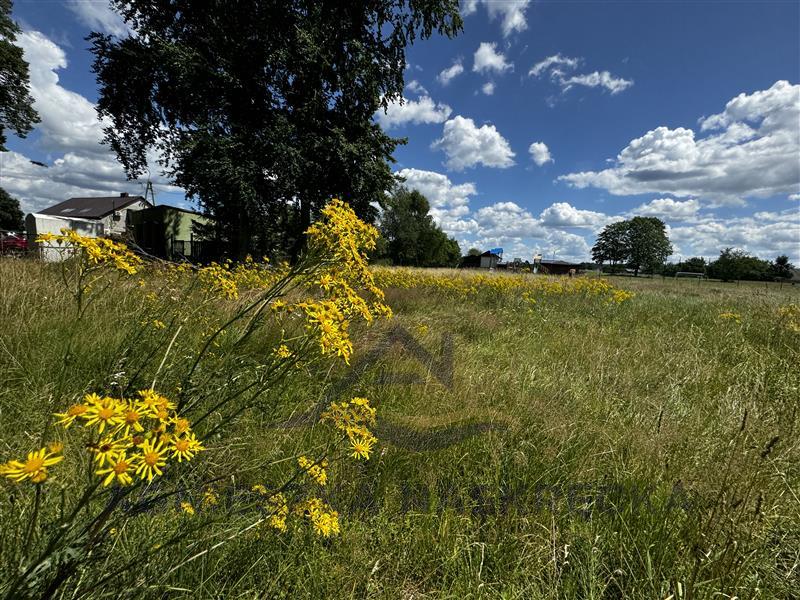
148 189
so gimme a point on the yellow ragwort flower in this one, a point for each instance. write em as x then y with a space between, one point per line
33 468
108 449
73 412
150 461
361 447
119 469
105 412
186 447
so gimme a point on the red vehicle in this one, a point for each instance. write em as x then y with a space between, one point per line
13 243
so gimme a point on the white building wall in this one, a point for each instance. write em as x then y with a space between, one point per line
37 224
119 225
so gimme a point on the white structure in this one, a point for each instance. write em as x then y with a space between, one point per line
111 211
489 260
37 223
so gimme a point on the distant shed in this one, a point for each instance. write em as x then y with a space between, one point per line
489 260
172 233
558 267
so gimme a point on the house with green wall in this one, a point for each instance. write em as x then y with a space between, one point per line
173 233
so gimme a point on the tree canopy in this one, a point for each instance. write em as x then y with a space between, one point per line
640 242
11 216
262 109
735 264
16 104
781 268
611 244
411 237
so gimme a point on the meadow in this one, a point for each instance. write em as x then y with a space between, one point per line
533 437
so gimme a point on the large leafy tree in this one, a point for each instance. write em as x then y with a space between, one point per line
16 105
647 243
611 244
262 109
410 234
11 216
640 242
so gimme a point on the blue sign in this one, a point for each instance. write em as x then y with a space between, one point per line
497 251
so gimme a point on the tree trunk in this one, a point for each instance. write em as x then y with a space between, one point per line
303 223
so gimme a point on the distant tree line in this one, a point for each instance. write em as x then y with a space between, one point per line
734 265
641 245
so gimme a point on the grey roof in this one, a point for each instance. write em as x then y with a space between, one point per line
91 208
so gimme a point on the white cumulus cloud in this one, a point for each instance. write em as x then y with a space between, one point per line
424 110
558 66
751 152
563 214
488 59
488 88
467 145
540 153
668 209
508 219
416 87
450 73
763 234
70 130
449 201
511 13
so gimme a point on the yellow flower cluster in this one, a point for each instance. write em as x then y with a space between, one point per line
339 277
353 418
98 251
790 315
227 280
463 284
283 352
314 470
219 279
731 316
134 437
324 520
341 240
619 296
34 467
277 508
324 319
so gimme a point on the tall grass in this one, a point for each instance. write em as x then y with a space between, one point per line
581 449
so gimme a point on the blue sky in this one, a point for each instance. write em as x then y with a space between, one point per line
538 125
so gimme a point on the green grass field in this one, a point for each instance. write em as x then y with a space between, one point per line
569 447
